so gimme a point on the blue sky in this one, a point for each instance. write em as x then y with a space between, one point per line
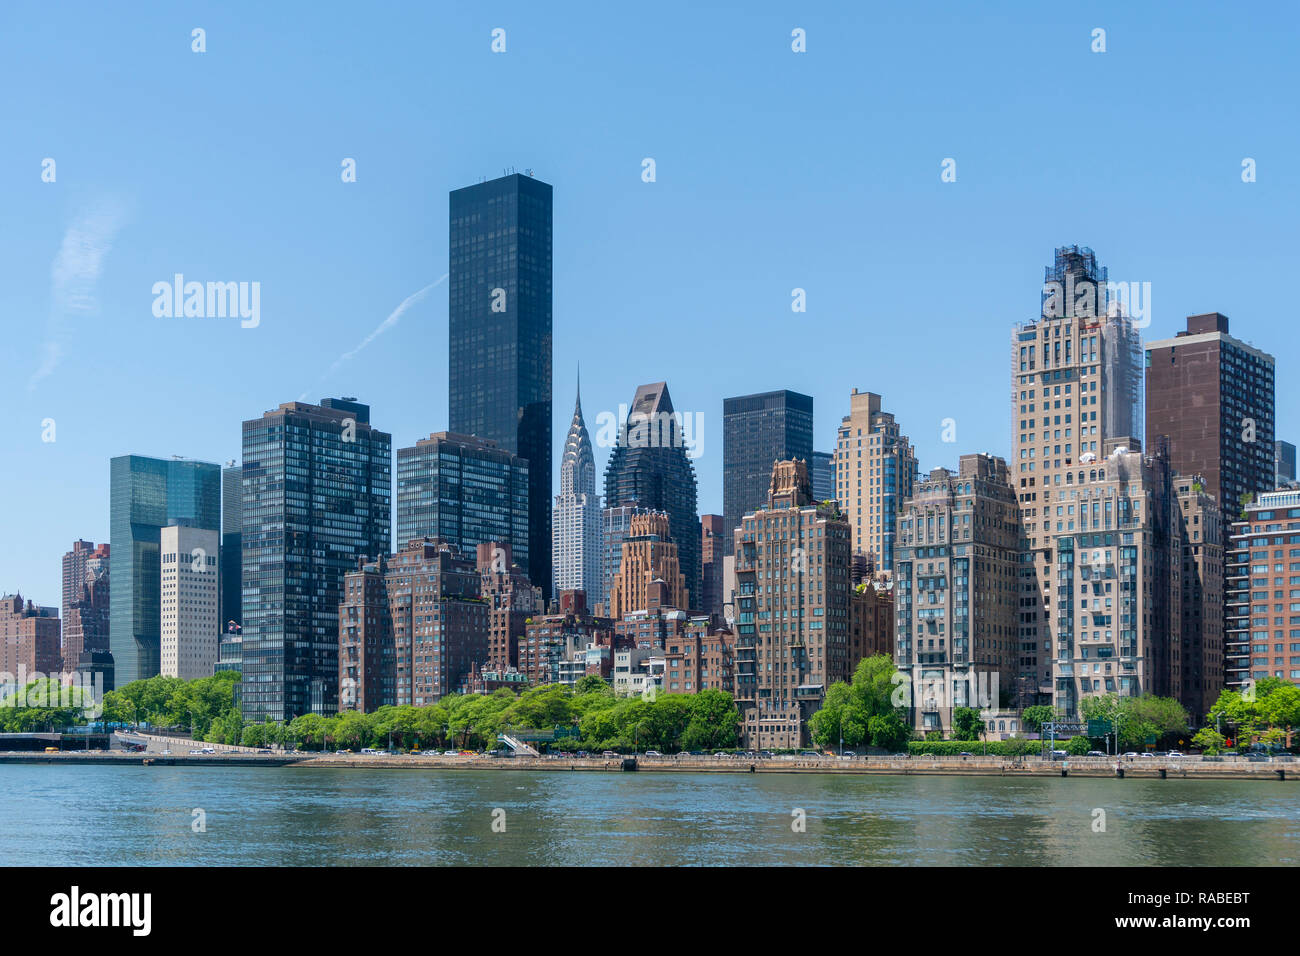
775 170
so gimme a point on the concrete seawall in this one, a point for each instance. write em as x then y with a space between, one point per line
1186 768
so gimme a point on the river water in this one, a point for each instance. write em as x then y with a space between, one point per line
296 816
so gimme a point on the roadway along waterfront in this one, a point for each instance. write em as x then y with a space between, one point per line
315 813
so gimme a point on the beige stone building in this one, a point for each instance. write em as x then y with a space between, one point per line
648 555
875 468
956 577
1201 654
1116 542
1076 381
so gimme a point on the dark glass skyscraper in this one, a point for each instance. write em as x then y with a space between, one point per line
317 496
758 431
650 468
232 520
145 495
465 491
499 316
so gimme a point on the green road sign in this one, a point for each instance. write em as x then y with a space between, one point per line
1099 728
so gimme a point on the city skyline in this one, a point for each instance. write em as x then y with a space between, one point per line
717 318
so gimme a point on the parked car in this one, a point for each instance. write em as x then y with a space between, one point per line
653 753
1175 753
1130 754
965 753
609 753
1152 756
1095 753
848 753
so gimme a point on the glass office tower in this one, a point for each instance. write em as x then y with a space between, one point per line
499 316
146 495
317 496
466 491
758 431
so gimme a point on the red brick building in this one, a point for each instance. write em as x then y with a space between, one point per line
29 638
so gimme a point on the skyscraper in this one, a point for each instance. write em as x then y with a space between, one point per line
649 554
1283 464
232 554
463 491
190 590
955 588
651 468
85 601
821 469
793 609
1212 396
875 469
1262 638
575 528
1076 383
758 431
712 554
499 316
317 496
145 496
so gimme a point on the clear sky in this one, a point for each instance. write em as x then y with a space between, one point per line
775 170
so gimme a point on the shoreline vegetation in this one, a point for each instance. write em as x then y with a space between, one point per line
865 713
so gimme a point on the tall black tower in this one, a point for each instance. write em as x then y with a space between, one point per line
499 317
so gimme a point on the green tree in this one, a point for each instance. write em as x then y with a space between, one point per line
1034 717
966 724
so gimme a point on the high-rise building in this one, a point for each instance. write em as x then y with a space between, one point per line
1076 382
499 317
649 554
575 526
615 524
232 552
793 610
29 639
317 485
511 600
821 468
146 495
85 601
1116 539
713 550
651 468
758 431
875 469
1202 618
189 601
1283 464
411 627
464 491
1212 396
1262 637
956 580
